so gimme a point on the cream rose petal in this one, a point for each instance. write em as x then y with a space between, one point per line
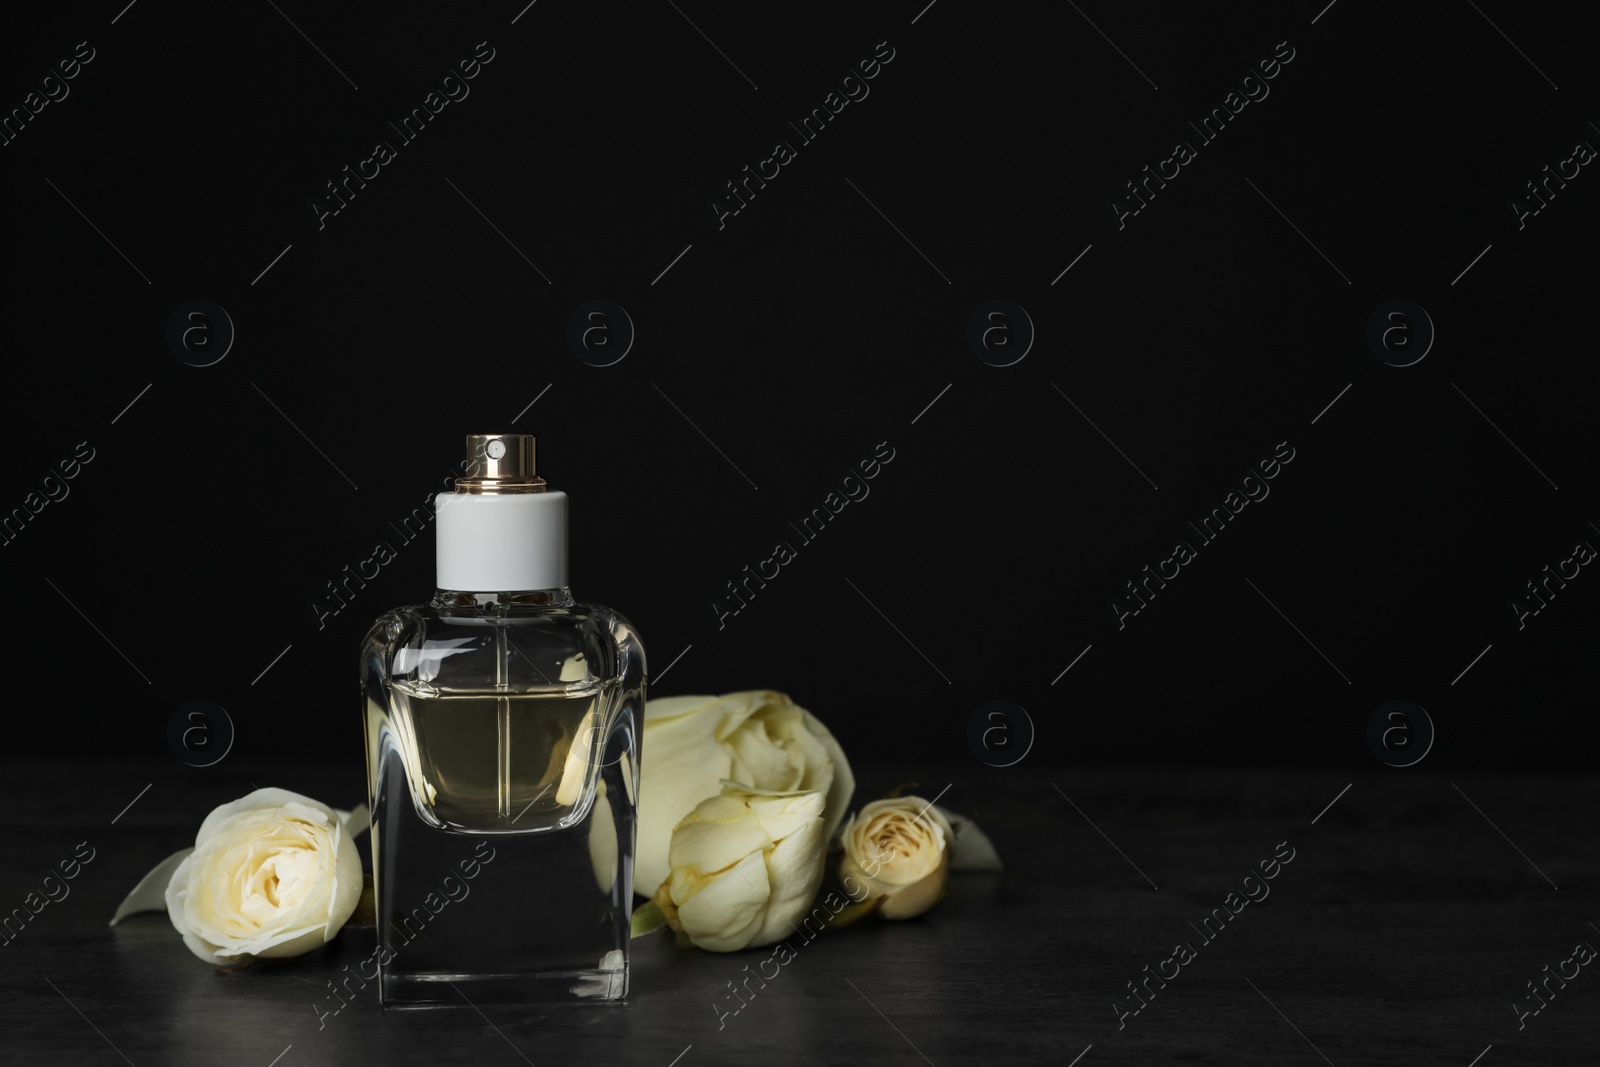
806 751
725 912
699 764
794 870
713 842
759 762
664 708
784 815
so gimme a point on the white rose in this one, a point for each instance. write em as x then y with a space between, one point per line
744 866
758 737
272 874
899 848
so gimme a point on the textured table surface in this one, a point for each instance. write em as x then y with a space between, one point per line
1401 932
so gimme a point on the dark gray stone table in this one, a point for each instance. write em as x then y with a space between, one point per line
1416 909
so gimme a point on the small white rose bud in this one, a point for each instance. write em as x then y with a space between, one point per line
899 848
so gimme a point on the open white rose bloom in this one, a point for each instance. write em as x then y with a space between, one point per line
744 866
271 874
758 737
899 848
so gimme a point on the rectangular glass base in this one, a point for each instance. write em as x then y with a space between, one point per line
540 914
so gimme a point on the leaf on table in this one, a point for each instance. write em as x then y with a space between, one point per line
647 919
356 821
973 850
151 892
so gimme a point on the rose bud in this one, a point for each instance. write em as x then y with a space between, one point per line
745 865
899 848
758 737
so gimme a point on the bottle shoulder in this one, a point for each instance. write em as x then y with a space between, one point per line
554 645
414 618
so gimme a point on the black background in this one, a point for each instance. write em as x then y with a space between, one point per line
800 336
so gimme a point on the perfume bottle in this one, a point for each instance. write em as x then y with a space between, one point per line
502 734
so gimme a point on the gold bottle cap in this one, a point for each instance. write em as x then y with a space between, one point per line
500 463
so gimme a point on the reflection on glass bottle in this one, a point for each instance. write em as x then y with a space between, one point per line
502 725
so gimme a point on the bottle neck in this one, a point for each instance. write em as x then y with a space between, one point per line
493 605
511 541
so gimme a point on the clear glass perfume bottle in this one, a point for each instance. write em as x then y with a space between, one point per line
502 728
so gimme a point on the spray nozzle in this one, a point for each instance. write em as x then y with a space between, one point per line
500 463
